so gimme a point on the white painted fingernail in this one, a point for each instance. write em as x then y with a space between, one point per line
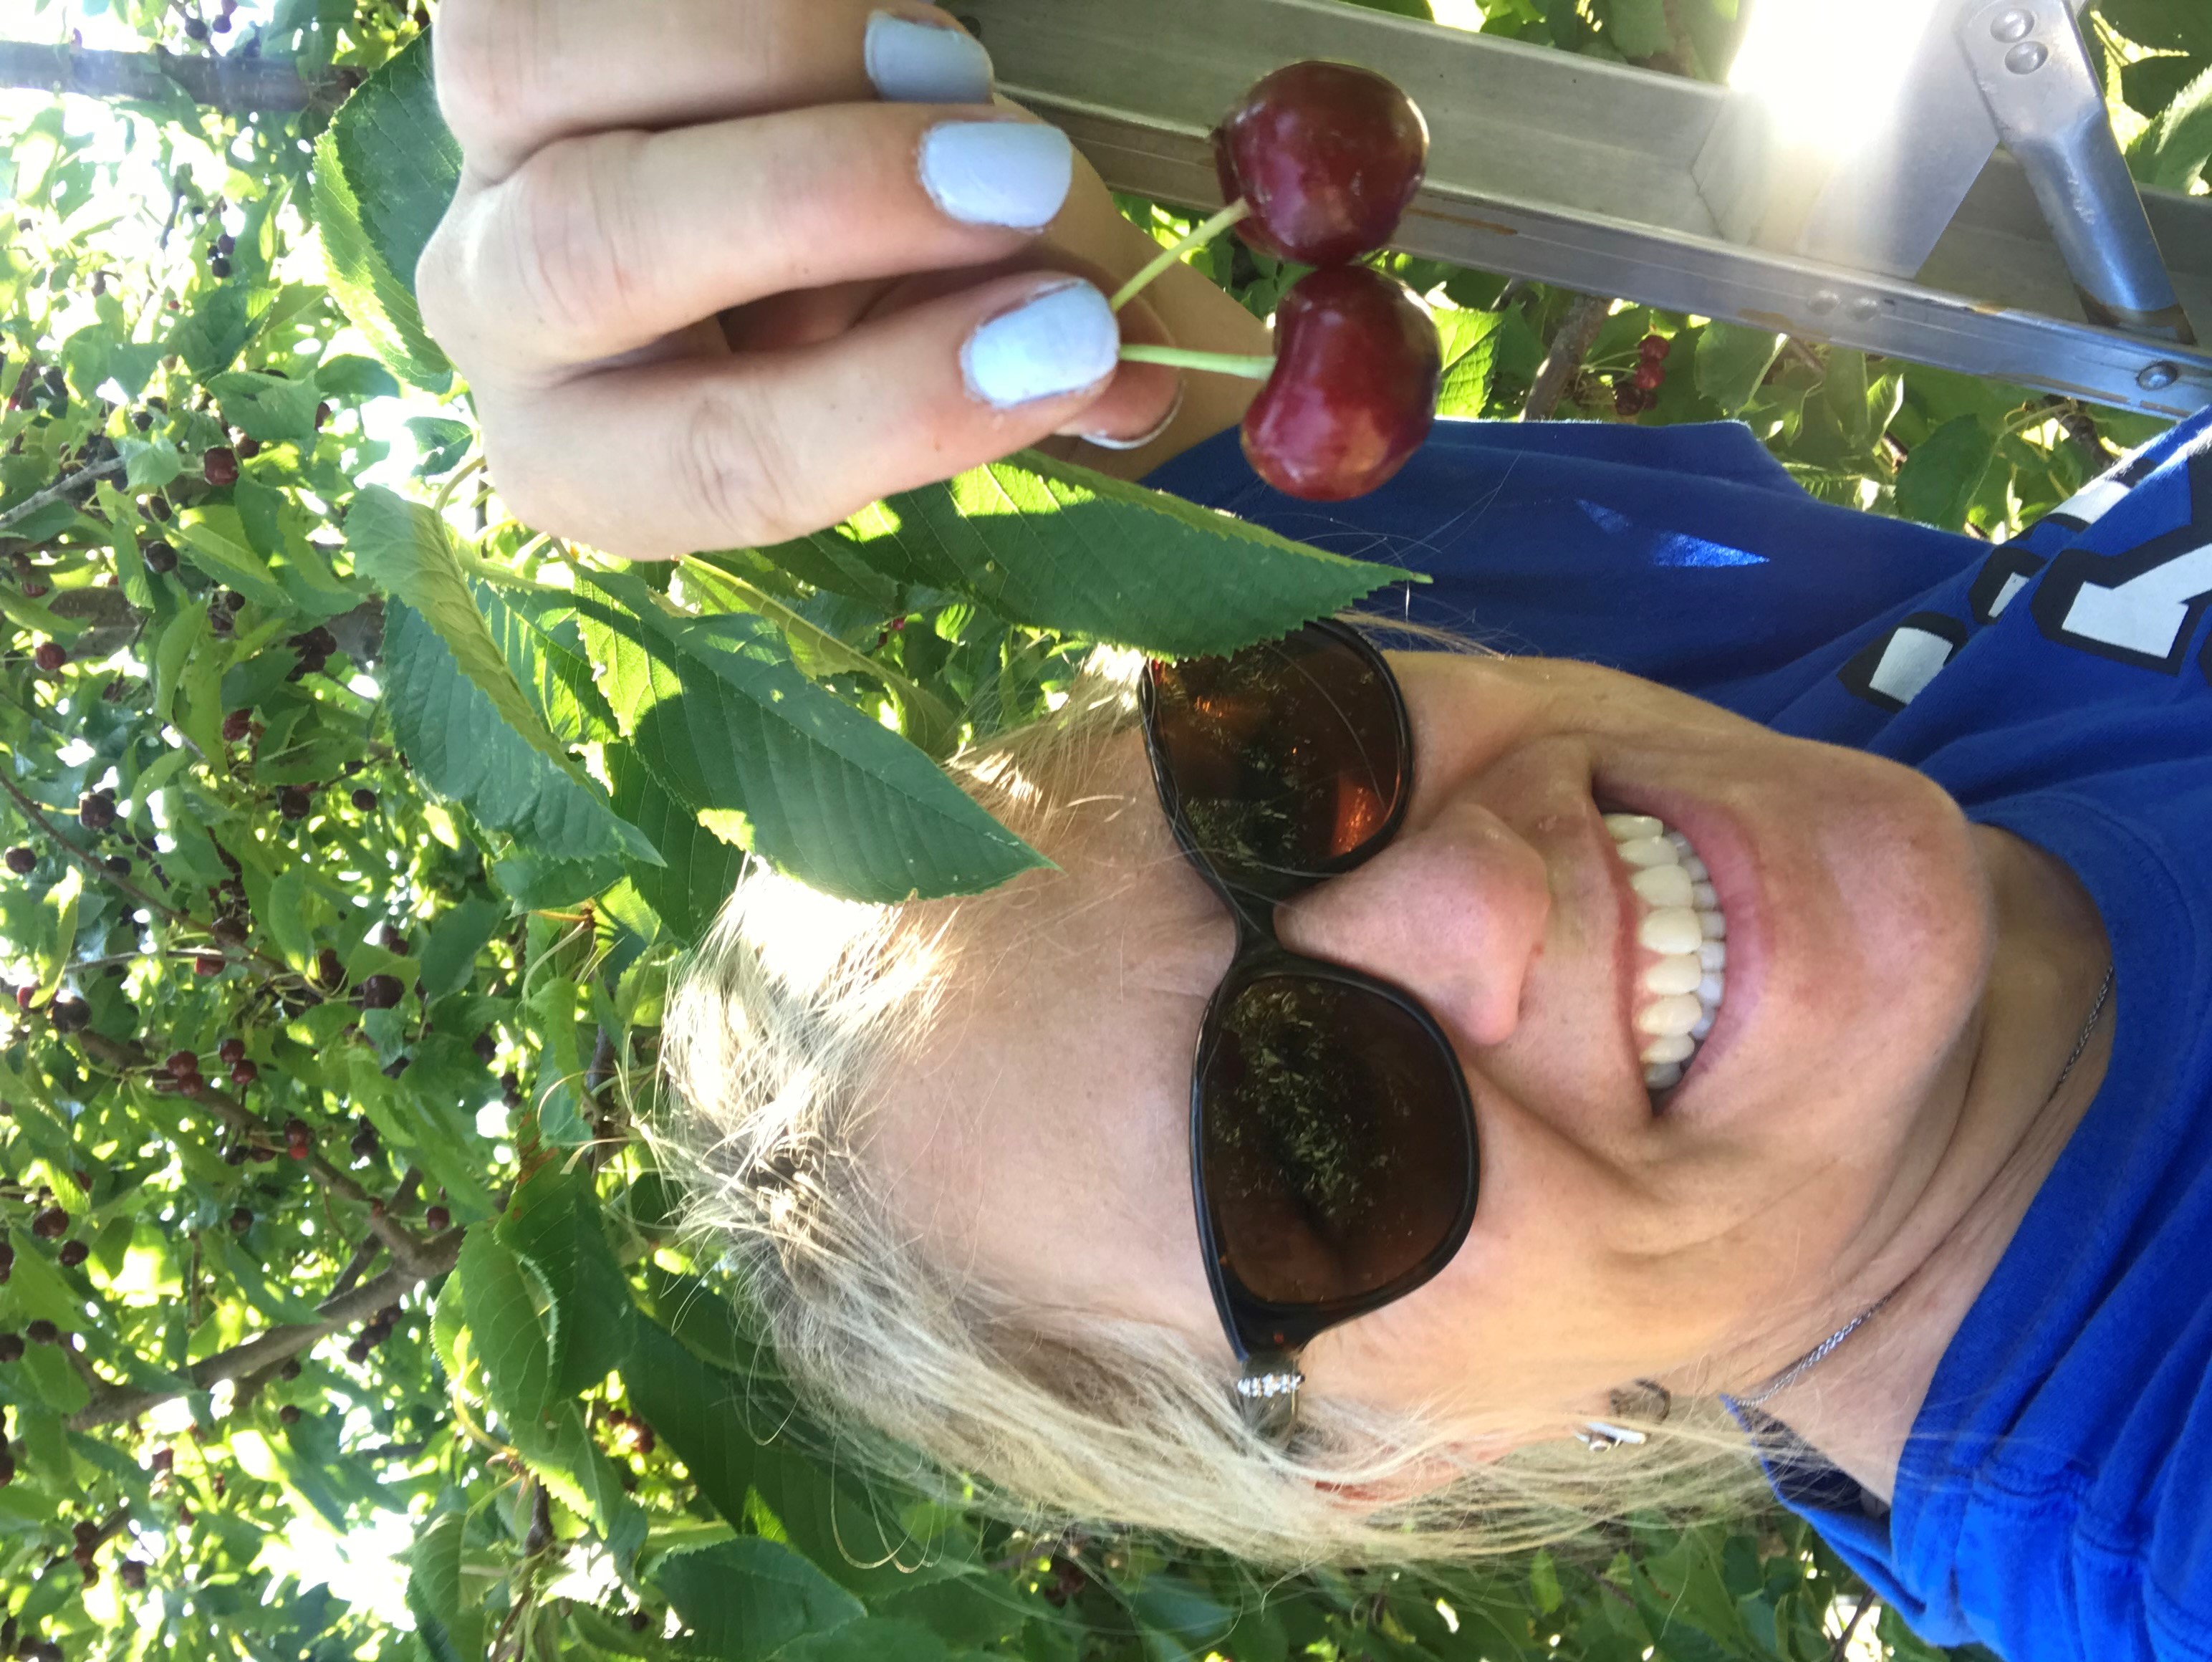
1064 340
998 172
912 63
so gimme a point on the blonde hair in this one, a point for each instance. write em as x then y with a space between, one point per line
778 1029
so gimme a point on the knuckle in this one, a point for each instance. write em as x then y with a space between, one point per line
573 247
492 67
737 470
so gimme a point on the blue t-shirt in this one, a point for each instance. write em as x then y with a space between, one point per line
2055 1499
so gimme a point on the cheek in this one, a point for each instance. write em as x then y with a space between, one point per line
1876 981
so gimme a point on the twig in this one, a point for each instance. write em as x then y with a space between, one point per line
406 1249
33 503
1842 1645
1570 344
93 862
273 1345
2082 427
365 1254
236 86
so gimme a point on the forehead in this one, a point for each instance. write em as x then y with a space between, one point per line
1040 1140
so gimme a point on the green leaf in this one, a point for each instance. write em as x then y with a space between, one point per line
560 1450
444 1600
1190 1620
1057 546
385 170
2176 150
558 680
213 538
745 1600
687 893
1470 361
739 1435
874 1640
552 1223
1940 478
148 464
507 1334
211 338
1638 28
442 443
270 1300
1732 361
718 711
536 884
269 408
1544 1582
460 715
450 959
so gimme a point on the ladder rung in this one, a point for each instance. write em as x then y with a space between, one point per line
1566 169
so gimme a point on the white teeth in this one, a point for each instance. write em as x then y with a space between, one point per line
1664 886
1647 851
1670 929
1683 924
1675 1014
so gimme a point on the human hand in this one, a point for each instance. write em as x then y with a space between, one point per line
720 273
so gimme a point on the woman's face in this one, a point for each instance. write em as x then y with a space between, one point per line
1043 1139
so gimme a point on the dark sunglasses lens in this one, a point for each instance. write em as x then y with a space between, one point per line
1337 1151
1286 757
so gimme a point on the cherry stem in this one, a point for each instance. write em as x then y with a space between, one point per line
1234 213
1218 363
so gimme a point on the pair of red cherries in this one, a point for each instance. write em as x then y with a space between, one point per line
1326 157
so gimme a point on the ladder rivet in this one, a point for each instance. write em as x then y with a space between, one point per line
2027 57
1865 308
2156 377
2011 26
1823 302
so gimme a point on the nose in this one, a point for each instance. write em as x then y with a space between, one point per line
1454 911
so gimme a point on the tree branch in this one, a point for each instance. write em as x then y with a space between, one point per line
93 862
236 86
1570 344
32 504
407 1251
273 1345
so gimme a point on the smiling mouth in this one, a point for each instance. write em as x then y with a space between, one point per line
1682 975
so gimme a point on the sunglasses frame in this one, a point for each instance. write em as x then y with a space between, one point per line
1267 1335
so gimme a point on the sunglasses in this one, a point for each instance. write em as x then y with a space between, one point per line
1332 1136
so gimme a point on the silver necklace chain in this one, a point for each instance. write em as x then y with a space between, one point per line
1820 1353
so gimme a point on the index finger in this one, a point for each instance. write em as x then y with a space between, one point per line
512 75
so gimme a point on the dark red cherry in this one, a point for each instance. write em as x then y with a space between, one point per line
1357 365
1328 155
